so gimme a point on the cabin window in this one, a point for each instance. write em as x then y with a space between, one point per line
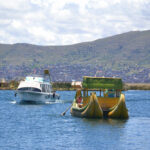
30 89
24 89
43 88
85 93
36 89
47 88
111 93
118 93
99 93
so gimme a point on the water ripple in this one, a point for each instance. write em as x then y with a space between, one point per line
25 126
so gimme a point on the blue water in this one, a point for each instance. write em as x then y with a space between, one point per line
41 127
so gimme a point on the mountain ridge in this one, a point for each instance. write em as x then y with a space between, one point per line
116 51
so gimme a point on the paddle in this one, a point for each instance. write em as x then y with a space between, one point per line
66 110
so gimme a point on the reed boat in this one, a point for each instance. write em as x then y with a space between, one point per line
100 98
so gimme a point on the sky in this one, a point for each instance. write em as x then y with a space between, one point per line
65 22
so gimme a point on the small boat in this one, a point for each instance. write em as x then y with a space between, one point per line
104 101
36 88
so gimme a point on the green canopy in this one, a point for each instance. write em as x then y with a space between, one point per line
102 83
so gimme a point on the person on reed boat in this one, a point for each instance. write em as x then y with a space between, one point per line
79 101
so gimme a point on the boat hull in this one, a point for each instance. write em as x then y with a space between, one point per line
36 96
94 110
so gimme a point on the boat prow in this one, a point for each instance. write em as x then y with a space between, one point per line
120 110
91 110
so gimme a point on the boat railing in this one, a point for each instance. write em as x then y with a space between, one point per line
102 93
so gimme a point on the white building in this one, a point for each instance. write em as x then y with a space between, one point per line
76 84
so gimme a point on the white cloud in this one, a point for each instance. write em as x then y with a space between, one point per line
51 22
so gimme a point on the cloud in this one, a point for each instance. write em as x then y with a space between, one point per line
51 22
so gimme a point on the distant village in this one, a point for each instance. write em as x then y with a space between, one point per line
69 73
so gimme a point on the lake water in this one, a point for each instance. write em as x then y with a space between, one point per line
41 127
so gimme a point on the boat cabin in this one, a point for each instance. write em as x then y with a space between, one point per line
108 90
36 84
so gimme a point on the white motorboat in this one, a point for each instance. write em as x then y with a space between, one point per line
36 89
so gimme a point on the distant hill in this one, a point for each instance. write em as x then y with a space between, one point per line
127 49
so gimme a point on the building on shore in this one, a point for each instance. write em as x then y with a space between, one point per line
3 83
76 84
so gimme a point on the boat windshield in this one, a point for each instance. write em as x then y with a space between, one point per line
38 79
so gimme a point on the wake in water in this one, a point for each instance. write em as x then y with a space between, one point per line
13 102
40 103
59 101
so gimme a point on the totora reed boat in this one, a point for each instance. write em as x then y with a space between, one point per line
100 98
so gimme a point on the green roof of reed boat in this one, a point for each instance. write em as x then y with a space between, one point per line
102 83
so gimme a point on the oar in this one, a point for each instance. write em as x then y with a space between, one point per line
66 110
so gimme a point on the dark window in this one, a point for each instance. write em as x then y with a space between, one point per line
43 88
30 89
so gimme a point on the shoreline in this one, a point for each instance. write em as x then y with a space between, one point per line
66 86
136 86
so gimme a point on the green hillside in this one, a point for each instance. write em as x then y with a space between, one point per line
127 49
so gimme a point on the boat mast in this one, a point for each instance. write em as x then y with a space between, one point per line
46 72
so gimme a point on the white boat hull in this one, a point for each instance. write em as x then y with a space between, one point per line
36 96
